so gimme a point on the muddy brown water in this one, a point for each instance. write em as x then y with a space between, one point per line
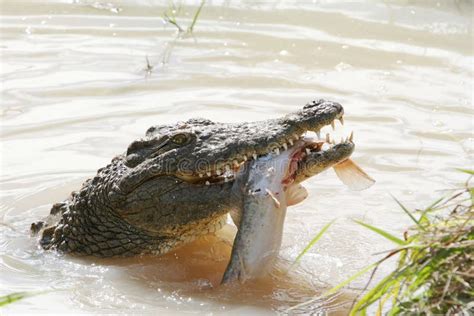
76 92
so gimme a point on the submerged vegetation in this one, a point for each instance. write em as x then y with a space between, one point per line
173 11
434 273
170 16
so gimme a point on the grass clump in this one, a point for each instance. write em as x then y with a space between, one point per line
170 16
434 274
435 268
173 11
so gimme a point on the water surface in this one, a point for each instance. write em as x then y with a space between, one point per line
76 91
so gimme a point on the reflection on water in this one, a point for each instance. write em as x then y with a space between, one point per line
76 90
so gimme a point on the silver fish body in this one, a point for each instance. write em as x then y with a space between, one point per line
258 239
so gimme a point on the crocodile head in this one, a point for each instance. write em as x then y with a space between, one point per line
180 181
199 151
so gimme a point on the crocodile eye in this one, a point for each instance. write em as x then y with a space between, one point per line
180 139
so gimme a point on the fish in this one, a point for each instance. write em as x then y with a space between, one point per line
265 203
270 185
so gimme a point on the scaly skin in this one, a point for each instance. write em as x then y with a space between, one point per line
177 183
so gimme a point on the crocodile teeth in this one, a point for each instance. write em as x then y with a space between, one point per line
285 146
333 142
319 134
351 137
227 168
254 156
342 140
245 158
236 163
208 173
208 183
201 175
333 125
277 151
218 172
308 151
226 179
296 137
328 138
341 119
290 141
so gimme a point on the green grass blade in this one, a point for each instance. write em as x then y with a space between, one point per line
196 15
336 288
435 203
13 297
468 171
349 280
423 218
408 213
382 233
173 22
374 294
313 241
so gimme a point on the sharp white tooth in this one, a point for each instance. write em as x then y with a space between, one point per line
319 134
227 168
333 142
226 179
290 141
201 175
208 183
351 137
254 156
296 137
308 151
236 163
341 119
218 172
277 151
342 140
328 138
245 158
285 146
333 125
208 173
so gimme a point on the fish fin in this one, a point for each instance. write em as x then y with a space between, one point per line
295 193
353 176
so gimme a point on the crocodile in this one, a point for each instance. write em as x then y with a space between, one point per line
180 181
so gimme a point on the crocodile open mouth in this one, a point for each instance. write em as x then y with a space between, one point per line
302 145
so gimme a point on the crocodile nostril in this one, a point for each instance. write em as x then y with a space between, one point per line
314 103
339 108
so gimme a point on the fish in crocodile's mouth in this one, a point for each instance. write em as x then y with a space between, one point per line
307 147
310 155
272 183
